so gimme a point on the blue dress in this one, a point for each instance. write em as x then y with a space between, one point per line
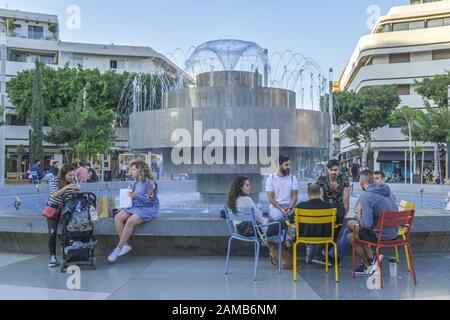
146 205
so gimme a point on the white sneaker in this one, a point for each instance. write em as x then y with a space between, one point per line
53 262
114 255
125 249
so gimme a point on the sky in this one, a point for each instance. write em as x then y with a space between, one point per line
325 30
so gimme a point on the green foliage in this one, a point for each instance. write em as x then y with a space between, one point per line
80 103
406 116
367 110
435 125
37 117
434 90
53 28
66 124
418 149
97 135
61 87
2 121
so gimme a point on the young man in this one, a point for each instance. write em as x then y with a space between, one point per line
380 177
314 203
335 189
282 190
376 199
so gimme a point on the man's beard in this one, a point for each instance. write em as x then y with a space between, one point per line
285 172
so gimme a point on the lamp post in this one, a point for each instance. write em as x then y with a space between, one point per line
330 111
447 158
2 101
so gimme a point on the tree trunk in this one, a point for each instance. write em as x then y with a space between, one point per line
411 173
367 146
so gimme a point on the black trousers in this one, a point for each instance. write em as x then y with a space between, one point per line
52 235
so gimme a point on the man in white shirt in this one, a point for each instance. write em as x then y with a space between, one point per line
282 190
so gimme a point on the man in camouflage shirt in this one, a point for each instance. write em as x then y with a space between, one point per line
335 188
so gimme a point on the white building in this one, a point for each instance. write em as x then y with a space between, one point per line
26 37
411 43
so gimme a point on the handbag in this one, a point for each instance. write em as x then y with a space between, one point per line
50 213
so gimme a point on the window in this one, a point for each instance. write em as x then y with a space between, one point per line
386 28
117 64
400 58
400 26
35 32
417 25
43 59
13 120
447 22
435 23
76 61
404 89
17 56
441 54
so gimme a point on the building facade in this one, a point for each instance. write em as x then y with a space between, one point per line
27 37
410 43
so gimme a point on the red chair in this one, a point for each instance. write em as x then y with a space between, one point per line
403 219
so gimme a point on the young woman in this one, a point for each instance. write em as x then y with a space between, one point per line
60 186
145 207
239 197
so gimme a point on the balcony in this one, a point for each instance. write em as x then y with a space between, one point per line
390 73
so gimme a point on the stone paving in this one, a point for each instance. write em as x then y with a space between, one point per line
202 278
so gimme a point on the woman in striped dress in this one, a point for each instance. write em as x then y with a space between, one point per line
60 186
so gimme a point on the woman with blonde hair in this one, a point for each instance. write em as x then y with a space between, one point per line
145 207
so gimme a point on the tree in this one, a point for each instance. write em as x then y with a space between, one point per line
366 111
434 90
2 121
98 133
435 128
410 118
66 126
37 118
435 124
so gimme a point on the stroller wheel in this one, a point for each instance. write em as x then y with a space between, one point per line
63 266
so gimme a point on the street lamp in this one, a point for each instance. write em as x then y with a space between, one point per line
331 111
447 158
3 129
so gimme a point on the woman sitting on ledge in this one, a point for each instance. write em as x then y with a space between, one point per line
145 207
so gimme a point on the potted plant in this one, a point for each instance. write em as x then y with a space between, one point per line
53 28
11 26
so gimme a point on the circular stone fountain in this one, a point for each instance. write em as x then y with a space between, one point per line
201 118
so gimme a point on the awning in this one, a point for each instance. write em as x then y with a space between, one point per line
390 156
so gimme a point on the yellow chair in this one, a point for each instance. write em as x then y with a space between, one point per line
405 206
315 217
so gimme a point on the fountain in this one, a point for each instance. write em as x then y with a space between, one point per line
231 97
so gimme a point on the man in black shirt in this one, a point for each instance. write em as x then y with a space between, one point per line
355 168
320 230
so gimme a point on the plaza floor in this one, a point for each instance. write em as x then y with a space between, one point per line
202 278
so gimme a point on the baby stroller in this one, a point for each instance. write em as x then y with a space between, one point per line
77 236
